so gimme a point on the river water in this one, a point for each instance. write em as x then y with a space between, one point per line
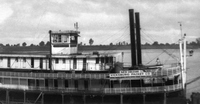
166 57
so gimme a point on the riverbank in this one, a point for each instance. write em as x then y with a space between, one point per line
45 49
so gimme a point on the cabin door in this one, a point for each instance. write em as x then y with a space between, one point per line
32 62
24 62
1 62
84 64
8 64
74 63
41 63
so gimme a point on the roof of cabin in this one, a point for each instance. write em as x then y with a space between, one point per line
66 32
43 55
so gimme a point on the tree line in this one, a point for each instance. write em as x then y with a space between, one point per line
195 43
24 44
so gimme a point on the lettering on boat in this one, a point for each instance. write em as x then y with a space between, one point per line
130 73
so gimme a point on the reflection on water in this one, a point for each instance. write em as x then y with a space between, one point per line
166 57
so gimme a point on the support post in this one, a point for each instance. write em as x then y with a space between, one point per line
184 66
42 99
165 98
184 52
7 97
144 98
102 99
71 99
24 97
121 99
63 98
84 101
181 57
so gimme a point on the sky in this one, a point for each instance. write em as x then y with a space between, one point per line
105 21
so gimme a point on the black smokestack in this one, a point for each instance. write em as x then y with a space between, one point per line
139 53
50 54
132 35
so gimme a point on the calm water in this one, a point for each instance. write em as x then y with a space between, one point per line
166 57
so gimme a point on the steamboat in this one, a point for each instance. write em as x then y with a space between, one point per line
67 77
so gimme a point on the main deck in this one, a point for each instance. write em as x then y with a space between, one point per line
69 86
159 81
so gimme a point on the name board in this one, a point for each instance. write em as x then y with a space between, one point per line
130 73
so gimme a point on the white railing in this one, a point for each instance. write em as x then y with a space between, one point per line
133 90
166 72
144 89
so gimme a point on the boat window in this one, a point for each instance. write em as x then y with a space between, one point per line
51 83
102 59
86 84
56 60
64 61
72 38
24 59
6 80
66 84
16 59
46 83
55 38
97 60
64 38
23 82
37 83
74 63
41 63
107 60
76 83
111 84
8 64
1 59
14 81
59 38
84 64
55 83
31 82
32 62
111 59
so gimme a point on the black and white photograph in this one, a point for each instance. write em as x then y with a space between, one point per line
99 51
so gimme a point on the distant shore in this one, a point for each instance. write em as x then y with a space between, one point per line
128 47
45 49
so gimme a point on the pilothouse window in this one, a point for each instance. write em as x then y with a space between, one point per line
64 38
59 38
72 38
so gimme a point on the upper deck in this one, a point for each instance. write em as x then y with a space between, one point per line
62 62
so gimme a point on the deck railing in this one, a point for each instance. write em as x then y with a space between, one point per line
144 89
131 90
164 72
